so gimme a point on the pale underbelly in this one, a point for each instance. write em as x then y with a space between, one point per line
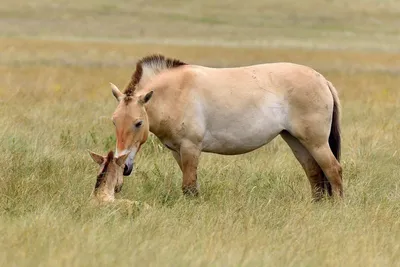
234 143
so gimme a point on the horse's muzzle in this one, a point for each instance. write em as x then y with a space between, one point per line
129 162
128 169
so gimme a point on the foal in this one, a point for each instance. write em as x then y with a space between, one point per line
110 178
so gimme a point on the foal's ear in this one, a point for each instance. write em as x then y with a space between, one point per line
144 99
121 159
96 157
116 92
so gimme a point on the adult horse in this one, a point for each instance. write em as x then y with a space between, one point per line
231 111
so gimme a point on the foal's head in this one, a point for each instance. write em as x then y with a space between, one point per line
110 178
131 124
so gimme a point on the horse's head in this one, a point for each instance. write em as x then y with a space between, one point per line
110 178
131 124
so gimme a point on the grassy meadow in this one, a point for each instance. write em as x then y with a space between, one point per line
56 60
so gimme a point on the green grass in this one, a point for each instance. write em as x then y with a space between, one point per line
254 209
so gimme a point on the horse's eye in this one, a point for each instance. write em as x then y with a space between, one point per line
138 124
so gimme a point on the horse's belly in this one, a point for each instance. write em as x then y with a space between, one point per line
239 140
239 121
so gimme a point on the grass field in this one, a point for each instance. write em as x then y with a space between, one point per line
254 210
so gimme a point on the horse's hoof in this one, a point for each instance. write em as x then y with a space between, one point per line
190 191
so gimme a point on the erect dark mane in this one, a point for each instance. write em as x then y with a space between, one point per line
103 171
156 62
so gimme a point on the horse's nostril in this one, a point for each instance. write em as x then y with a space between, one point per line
128 169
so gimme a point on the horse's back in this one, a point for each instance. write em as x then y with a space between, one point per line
259 86
274 77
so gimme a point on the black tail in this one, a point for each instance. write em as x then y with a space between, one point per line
335 135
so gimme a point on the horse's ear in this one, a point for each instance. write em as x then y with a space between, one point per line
116 92
121 159
96 157
144 99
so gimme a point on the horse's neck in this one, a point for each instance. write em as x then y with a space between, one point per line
148 75
157 108
157 113
167 86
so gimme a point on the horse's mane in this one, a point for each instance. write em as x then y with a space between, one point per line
156 63
103 171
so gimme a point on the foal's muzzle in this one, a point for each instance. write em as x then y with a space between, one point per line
118 189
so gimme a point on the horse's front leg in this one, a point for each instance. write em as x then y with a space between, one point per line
177 157
189 156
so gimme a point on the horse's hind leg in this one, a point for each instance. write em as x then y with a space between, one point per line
319 184
329 164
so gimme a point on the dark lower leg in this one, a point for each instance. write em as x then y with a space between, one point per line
332 169
189 154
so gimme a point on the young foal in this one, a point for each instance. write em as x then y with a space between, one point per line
109 181
110 178
232 111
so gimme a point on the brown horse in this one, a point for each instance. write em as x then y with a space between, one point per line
232 111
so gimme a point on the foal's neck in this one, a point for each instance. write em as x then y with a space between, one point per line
105 192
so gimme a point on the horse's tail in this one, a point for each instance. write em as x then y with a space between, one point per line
335 135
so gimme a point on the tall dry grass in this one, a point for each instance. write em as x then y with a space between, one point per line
254 209
56 59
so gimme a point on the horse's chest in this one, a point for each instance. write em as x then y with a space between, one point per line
170 146
168 143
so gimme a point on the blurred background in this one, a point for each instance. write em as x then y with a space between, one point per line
336 24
